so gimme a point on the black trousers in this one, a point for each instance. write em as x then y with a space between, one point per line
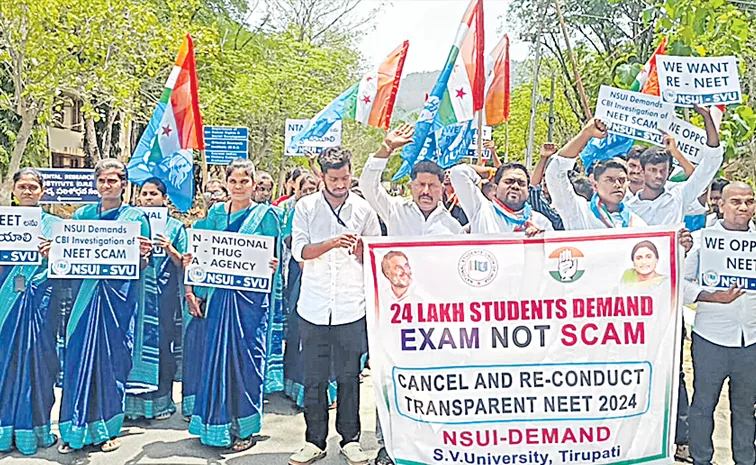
712 364
683 407
343 345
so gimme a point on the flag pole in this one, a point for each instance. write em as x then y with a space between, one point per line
578 81
506 141
480 135
204 169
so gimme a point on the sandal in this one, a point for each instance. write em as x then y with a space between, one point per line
241 445
55 441
164 416
110 446
64 448
682 454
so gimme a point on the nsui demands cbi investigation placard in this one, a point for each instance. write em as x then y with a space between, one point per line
94 250
230 261
558 351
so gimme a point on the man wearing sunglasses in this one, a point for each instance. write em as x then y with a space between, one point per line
508 211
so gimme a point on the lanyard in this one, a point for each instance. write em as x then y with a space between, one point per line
336 212
228 214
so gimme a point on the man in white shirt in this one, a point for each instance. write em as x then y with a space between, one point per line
607 208
326 234
660 205
509 211
724 342
423 215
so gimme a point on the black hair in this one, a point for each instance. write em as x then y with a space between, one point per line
29 172
487 187
644 244
602 165
213 181
510 166
160 185
582 186
294 173
429 167
334 158
635 152
111 164
308 177
655 156
261 176
719 184
241 164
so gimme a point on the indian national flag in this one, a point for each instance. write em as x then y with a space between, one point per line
370 101
647 81
165 150
498 94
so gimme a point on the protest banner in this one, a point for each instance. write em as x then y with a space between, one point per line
691 140
224 144
728 258
559 350
230 261
94 250
632 114
158 217
472 151
20 229
684 81
332 138
69 186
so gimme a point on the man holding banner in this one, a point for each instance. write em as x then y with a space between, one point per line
724 334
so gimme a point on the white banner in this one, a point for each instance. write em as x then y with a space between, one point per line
499 350
94 250
158 217
20 228
332 138
684 81
691 139
230 261
632 114
728 258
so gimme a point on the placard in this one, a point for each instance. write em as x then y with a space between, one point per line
158 217
20 229
69 186
561 350
332 138
230 261
224 144
691 140
632 114
94 250
472 151
684 81
728 258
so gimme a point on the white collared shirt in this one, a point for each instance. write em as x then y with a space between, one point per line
483 216
575 210
332 290
402 216
722 324
672 205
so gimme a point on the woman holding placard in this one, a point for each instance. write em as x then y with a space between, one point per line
28 359
112 335
168 268
229 396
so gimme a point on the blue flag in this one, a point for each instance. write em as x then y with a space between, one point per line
603 149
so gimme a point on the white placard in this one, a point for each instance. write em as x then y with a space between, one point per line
158 217
728 258
472 151
632 114
332 138
690 139
94 250
230 261
20 228
684 81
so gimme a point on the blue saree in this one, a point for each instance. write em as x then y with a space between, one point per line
274 373
112 341
228 396
170 291
28 359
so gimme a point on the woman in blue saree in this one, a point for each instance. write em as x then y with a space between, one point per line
112 332
28 358
169 269
229 395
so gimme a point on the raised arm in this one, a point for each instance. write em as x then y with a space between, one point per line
465 180
594 128
547 150
713 155
671 144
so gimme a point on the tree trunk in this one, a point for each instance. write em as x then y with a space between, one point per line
90 137
125 138
28 117
107 138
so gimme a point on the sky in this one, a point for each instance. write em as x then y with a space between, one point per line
430 26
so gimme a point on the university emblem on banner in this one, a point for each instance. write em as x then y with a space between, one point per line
568 264
478 268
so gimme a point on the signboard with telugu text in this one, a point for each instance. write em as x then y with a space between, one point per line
70 186
315 145
20 229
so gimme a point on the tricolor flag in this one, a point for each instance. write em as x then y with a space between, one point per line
370 101
165 150
498 93
458 92
647 81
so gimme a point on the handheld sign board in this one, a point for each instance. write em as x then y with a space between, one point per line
690 139
94 250
158 217
728 259
332 138
230 261
632 114
20 228
684 81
